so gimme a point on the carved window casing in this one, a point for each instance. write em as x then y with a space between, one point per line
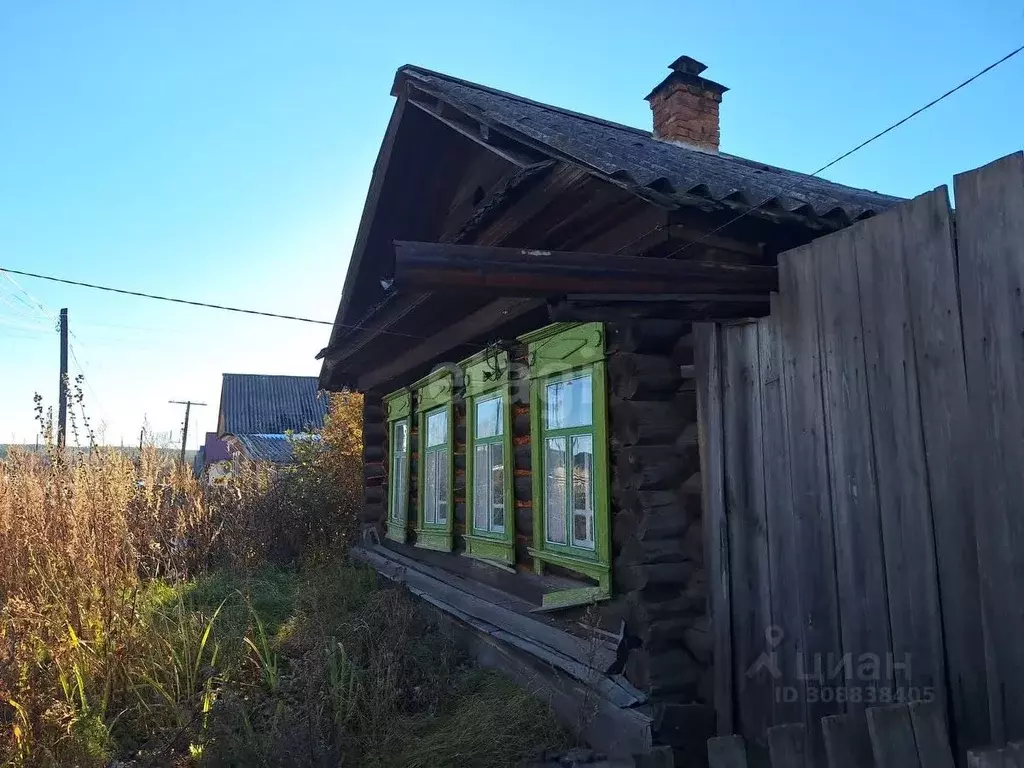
399 411
490 503
436 472
569 439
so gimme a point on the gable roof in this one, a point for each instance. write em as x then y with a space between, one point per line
268 405
670 174
658 170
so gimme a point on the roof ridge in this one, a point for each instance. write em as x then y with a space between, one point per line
508 95
272 375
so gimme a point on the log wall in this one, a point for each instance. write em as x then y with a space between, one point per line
374 511
657 534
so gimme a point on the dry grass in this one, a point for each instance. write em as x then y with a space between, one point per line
148 620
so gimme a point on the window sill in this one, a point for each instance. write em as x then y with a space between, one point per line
599 571
396 532
439 539
487 548
571 598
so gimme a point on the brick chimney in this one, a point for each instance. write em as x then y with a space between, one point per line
685 105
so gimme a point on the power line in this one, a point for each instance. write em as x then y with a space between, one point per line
35 303
849 152
189 302
139 294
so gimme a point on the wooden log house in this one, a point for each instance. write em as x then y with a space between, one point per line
517 312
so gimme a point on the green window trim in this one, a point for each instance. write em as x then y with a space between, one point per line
434 394
399 410
560 353
487 379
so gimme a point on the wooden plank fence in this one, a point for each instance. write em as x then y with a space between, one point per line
898 736
864 469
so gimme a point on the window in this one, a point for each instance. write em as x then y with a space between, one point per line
399 471
490 534
568 434
435 513
568 416
489 466
399 411
436 459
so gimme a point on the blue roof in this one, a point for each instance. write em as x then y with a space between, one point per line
257 404
276 449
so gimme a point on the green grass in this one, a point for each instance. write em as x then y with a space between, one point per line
322 667
486 721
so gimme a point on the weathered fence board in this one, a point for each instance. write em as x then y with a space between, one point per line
782 640
900 453
745 504
812 514
861 583
892 737
788 747
847 741
925 242
990 239
707 354
898 736
727 752
930 734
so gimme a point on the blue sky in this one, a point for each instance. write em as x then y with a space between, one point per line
221 151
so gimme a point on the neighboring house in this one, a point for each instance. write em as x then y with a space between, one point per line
260 416
213 463
531 452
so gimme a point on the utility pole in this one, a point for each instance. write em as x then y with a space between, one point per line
184 432
62 403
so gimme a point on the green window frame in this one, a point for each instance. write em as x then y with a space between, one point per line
399 411
569 418
436 470
489 449
398 407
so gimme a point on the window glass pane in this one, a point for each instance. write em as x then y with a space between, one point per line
430 491
481 488
400 442
579 529
497 476
554 495
583 490
398 492
569 403
488 418
399 463
403 491
437 428
442 486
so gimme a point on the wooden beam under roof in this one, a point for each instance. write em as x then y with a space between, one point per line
525 272
472 326
624 309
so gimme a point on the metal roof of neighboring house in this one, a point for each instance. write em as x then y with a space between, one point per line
258 404
215 449
276 449
653 168
199 462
